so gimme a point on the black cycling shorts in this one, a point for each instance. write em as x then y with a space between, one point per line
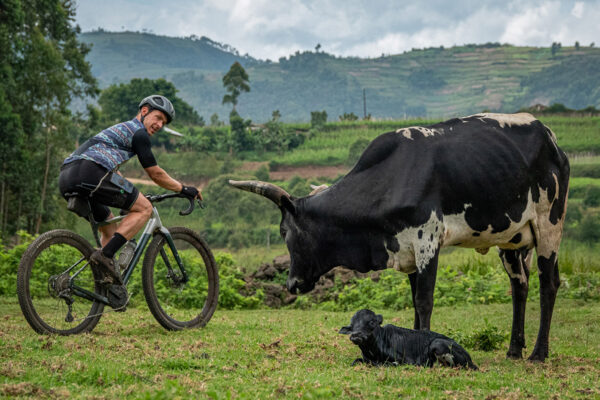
103 188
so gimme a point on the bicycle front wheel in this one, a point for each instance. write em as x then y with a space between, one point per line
53 264
180 300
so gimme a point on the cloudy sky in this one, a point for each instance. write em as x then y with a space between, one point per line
275 28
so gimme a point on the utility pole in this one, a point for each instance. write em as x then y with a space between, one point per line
365 103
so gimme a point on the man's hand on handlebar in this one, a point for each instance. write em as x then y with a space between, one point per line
191 192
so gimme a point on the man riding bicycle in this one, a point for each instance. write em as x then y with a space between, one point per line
91 171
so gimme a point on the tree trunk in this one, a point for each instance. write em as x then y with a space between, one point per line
44 183
5 210
3 186
18 223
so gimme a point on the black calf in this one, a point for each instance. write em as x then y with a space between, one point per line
393 345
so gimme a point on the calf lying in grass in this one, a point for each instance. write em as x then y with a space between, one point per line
393 345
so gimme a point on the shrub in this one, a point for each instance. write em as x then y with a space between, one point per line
356 150
592 197
262 174
318 119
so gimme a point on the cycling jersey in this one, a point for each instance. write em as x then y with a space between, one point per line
115 145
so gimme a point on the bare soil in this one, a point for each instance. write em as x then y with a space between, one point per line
305 172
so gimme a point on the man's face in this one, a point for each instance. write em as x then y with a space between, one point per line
154 120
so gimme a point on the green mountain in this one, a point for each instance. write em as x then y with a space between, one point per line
433 82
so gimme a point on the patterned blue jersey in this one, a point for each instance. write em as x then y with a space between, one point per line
111 147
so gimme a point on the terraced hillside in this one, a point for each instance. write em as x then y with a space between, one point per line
433 83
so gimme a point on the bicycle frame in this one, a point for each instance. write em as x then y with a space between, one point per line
153 225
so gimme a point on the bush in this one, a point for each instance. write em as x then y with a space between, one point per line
318 119
589 229
356 150
592 197
488 338
262 174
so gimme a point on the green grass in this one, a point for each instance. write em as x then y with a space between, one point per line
288 354
575 135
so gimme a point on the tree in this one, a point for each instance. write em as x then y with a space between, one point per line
318 119
577 45
317 47
120 102
42 67
235 81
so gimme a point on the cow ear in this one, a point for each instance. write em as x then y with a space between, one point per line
287 204
345 330
379 319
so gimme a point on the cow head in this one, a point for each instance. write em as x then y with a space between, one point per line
305 237
362 326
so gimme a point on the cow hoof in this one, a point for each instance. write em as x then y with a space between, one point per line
536 358
514 355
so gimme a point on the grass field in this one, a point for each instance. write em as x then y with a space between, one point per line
288 354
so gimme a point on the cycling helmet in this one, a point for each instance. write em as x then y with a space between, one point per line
158 102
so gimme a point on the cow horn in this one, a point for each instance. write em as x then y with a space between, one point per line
270 191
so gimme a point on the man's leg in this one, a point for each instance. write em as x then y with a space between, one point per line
137 217
107 231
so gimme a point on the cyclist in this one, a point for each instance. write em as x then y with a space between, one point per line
91 171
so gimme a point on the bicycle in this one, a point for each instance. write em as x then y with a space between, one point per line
60 292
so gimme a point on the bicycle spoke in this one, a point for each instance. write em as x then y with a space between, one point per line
47 275
174 301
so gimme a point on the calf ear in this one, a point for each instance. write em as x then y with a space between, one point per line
379 319
345 330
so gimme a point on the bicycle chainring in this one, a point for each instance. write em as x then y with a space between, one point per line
117 296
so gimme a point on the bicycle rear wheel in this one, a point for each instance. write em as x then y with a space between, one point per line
174 303
51 263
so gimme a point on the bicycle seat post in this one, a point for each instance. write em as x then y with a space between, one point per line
94 226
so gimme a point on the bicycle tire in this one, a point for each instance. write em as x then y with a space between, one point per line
45 258
172 308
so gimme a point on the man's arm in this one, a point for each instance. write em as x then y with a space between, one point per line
162 179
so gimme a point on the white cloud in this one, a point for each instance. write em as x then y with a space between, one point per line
577 10
276 28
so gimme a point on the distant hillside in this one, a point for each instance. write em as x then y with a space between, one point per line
120 56
435 82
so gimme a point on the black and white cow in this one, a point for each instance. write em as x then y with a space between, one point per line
389 344
480 181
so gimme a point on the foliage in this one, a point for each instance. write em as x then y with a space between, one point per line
241 138
356 150
318 119
119 102
235 82
348 117
42 68
592 197
474 77
573 81
231 282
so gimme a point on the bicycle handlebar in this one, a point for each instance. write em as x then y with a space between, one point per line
157 198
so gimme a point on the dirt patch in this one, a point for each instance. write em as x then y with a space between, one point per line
309 171
283 173
253 165
270 279
199 183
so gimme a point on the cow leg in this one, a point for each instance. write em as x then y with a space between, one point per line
516 263
424 287
412 278
549 283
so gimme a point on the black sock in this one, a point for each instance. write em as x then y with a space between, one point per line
113 245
